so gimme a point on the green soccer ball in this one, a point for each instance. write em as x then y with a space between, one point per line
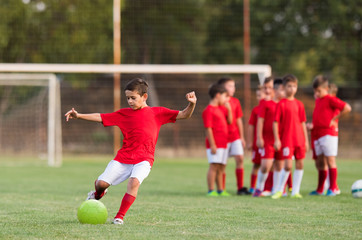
92 212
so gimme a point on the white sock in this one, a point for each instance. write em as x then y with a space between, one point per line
276 180
326 183
283 180
297 180
261 180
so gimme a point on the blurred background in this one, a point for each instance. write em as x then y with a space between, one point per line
301 37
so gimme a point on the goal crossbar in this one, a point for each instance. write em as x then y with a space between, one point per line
263 71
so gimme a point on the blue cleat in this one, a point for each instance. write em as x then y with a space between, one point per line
257 193
251 190
330 193
315 193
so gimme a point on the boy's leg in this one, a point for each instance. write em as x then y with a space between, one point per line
285 172
278 166
332 173
322 174
253 175
211 176
139 172
297 176
239 171
265 167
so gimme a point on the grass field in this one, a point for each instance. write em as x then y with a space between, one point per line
38 202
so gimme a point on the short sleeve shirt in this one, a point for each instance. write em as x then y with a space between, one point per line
290 114
325 109
253 121
237 112
267 111
214 117
140 130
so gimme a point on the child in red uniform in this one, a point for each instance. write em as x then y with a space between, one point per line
236 142
264 130
140 126
291 137
216 121
325 128
252 138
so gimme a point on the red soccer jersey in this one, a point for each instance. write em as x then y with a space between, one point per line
290 114
237 112
140 130
215 118
325 109
253 121
267 111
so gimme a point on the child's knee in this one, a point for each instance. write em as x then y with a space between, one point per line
100 184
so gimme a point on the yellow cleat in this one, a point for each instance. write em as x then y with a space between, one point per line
277 195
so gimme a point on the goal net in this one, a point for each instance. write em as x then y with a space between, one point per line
30 124
89 89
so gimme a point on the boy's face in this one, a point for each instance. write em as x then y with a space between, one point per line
222 98
320 92
135 100
268 90
259 95
291 89
280 92
230 88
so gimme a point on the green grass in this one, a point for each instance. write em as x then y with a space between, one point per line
38 202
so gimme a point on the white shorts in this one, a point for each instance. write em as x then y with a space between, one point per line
221 156
326 145
117 172
235 148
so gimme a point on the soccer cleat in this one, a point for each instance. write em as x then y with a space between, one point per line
266 194
330 193
315 193
251 190
224 194
92 195
117 221
257 193
243 191
290 189
212 194
297 195
277 195
337 191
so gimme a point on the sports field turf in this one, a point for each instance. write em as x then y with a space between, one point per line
38 202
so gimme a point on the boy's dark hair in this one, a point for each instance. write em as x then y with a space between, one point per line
333 88
139 85
289 78
224 80
320 81
215 89
268 79
277 82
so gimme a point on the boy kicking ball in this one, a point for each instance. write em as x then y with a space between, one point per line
140 125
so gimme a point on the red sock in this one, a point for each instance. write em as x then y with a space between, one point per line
253 178
290 181
125 205
223 181
322 175
239 172
269 182
333 179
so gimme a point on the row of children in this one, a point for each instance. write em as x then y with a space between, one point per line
278 135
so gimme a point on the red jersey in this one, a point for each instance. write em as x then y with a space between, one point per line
267 111
140 130
237 112
290 114
215 118
253 121
325 109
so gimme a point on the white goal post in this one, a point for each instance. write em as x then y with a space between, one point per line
54 129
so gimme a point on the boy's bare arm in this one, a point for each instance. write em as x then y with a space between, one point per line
305 136
230 113
210 137
277 143
347 108
187 112
250 136
73 114
239 123
259 132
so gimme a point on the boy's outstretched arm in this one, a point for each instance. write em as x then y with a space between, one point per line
187 112
73 114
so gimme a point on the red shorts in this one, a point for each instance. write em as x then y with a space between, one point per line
290 152
268 152
255 156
